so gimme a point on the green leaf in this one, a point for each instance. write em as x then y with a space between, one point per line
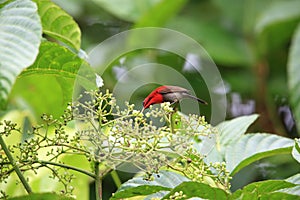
163 10
296 150
252 147
294 179
129 10
163 181
57 60
222 45
43 196
20 37
276 25
53 76
195 189
58 24
142 190
261 190
294 76
280 196
230 131
277 13
294 190
243 14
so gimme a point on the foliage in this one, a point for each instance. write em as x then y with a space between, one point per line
17 53
108 137
256 46
113 137
233 151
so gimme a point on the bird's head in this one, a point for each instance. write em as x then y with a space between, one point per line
153 98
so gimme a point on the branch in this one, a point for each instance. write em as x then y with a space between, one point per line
15 166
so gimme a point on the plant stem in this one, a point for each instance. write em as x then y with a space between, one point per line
98 182
116 178
15 166
171 119
67 167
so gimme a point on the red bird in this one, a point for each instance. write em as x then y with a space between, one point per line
168 93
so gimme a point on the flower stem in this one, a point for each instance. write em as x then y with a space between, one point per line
15 166
67 167
172 123
116 178
98 182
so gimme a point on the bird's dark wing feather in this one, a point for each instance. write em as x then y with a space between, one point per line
170 88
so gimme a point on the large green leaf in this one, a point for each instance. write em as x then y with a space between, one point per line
58 24
43 196
164 10
20 37
130 10
141 190
53 77
195 189
221 44
252 147
294 76
244 13
294 179
164 181
280 195
296 150
292 190
276 25
277 13
57 60
263 190
230 131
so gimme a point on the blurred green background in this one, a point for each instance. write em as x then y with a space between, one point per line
249 40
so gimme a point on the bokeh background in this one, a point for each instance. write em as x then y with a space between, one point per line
250 50
249 40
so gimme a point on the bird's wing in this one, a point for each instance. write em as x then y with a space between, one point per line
171 88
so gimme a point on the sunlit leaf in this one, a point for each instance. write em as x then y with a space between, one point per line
277 13
164 10
294 179
296 150
263 190
196 189
294 76
243 14
57 60
48 85
230 131
164 181
58 24
141 190
20 37
222 45
294 190
129 10
252 147
43 196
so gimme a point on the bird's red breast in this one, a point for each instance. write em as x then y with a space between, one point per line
154 97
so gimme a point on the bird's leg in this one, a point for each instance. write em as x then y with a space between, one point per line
175 103
172 114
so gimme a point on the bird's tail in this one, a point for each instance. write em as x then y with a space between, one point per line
196 98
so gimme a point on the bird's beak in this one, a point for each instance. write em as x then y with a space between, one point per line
142 110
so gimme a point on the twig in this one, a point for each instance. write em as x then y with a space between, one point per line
15 166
